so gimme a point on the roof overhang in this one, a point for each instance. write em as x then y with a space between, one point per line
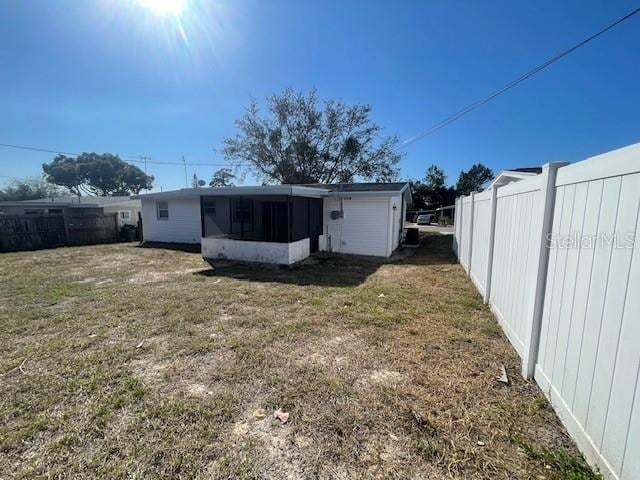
508 176
32 205
404 191
296 190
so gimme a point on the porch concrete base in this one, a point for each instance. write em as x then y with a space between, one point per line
262 252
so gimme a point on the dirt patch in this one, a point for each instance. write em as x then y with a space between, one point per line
155 276
386 377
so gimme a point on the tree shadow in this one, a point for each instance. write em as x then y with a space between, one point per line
335 270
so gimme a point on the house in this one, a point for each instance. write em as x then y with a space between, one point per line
280 224
515 175
125 207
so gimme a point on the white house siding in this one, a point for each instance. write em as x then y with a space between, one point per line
133 214
364 229
182 226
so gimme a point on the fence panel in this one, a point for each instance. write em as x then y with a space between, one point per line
515 255
31 232
482 210
564 285
588 360
457 227
93 229
465 232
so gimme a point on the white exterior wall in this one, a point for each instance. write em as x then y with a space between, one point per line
370 225
262 252
182 226
133 214
365 227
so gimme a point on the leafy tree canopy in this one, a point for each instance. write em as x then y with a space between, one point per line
304 140
222 178
31 188
473 179
96 174
434 177
431 192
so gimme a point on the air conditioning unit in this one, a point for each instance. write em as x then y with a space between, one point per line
336 214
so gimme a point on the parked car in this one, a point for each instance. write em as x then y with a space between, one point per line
424 218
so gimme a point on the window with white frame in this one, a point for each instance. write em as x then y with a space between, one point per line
163 210
125 214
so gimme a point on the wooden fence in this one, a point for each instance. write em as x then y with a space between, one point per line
34 232
556 258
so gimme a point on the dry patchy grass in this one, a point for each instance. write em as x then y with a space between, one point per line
123 362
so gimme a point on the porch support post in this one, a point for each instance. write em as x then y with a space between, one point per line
201 217
289 217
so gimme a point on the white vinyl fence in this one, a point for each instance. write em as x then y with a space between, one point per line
555 258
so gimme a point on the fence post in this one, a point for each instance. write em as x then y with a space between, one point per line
492 235
456 240
471 208
65 223
532 334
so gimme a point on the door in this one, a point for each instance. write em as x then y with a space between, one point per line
275 222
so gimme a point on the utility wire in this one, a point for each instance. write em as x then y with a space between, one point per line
136 159
513 83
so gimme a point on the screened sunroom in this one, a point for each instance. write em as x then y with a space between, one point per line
282 225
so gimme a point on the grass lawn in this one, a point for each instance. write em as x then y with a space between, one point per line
126 362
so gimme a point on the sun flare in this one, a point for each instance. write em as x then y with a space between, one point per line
164 7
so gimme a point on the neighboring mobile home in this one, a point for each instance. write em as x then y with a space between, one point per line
280 223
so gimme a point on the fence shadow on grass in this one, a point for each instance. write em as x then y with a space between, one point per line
335 270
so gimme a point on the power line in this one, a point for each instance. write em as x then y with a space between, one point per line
131 158
513 83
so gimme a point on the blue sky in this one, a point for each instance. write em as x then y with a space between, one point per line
113 76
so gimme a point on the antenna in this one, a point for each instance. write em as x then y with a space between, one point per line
186 181
144 159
